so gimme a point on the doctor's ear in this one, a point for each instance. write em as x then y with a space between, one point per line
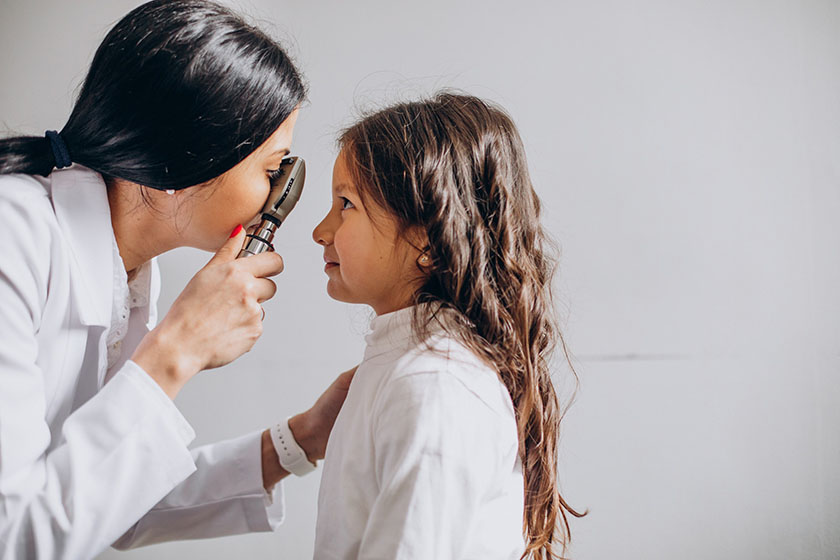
158 200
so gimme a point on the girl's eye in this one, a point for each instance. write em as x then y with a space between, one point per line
345 204
274 174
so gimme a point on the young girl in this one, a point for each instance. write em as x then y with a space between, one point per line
448 438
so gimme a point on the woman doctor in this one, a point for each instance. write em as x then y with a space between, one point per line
184 113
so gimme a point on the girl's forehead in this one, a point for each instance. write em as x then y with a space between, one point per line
340 164
342 178
343 187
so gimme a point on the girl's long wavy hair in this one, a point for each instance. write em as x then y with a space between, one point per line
455 166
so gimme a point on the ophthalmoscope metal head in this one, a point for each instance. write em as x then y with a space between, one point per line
286 186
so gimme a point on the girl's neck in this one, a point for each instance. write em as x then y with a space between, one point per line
386 308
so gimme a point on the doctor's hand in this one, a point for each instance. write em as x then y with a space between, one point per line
216 319
312 428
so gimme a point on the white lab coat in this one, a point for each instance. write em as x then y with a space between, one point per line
87 461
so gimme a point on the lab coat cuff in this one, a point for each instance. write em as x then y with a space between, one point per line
274 504
165 405
264 511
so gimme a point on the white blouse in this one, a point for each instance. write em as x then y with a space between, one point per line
423 459
128 295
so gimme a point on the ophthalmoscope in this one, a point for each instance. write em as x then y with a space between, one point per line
286 186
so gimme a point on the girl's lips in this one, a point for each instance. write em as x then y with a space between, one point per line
330 263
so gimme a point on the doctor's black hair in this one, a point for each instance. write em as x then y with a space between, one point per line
179 92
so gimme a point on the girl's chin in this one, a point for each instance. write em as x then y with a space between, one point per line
336 296
338 293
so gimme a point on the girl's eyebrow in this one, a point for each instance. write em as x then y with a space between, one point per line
342 188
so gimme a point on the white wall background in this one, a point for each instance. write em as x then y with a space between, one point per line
688 154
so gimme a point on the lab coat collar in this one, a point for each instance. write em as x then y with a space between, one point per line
81 207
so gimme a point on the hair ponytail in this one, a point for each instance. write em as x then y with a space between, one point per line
26 154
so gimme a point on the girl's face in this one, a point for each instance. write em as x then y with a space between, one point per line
366 260
237 196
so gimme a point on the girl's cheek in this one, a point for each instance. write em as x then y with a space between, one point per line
340 239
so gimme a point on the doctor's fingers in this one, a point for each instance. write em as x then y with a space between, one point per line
264 289
262 265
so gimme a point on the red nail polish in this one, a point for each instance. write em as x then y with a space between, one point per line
236 231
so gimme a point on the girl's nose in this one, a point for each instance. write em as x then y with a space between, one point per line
322 235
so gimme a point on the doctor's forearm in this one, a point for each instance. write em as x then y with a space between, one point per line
160 358
272 472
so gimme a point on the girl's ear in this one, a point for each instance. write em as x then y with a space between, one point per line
418 238
421 237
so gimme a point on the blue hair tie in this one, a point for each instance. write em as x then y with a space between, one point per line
59 149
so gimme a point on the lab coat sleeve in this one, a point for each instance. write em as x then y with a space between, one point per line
118 454
224 496
431 476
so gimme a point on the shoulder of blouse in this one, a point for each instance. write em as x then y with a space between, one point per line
442 361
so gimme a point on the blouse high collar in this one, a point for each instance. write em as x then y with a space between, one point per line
395 330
